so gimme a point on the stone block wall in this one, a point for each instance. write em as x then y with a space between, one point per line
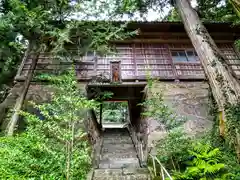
189 100
39 92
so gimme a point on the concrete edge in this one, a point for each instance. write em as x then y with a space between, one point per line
90 174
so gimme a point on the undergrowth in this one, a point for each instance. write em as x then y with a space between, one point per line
52 147
189 158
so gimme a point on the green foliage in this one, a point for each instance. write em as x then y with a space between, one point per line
190 159
229 153
208 10
11 50
233 123
54 147
217 10
111 115
236 6
156 107
205 164
48 26
172 16
114 111
173 149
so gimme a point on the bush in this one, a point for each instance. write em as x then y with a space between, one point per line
193 159
52 148
205 163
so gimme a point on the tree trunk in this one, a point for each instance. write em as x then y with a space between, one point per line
223 81
14 119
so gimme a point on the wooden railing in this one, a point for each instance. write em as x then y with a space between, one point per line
138 145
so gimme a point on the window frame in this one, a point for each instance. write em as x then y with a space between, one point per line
186 55
88 58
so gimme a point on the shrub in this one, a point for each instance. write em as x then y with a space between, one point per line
52 148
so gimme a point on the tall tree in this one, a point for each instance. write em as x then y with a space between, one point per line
223 81
11 50
216 10
236 6
48 25
34 21
172 16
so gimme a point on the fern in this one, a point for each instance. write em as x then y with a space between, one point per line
205 164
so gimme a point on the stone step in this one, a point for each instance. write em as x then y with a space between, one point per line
121 174
115 130
113 155
121 139
118 148
116 163
116 142
127 177
117 135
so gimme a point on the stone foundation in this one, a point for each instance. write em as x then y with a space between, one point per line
42 92
188 100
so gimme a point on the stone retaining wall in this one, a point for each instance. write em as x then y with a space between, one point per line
188 100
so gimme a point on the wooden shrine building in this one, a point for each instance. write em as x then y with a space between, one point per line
162 50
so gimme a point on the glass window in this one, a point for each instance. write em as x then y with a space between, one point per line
90 53
190 53
89 56
184 56
179 56
192 56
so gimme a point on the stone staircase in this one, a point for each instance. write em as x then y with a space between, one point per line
118 159
121 174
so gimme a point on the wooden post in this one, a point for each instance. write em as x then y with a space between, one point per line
14 119
134 61
101 110
175 74
25 57
95 64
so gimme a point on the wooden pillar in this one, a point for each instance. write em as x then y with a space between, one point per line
15 117
101 110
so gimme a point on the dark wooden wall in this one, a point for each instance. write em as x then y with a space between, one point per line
149 53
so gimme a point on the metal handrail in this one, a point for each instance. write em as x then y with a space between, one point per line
163 169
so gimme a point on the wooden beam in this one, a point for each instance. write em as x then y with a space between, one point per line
101 111
14 119
185 34
112 100
25 57
123 84
158 40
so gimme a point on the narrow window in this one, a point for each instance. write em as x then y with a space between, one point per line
184 56
192 56
90 56
179 56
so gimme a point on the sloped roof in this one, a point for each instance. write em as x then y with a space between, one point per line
179 27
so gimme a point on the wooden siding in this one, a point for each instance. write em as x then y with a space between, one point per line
137 61
232 57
